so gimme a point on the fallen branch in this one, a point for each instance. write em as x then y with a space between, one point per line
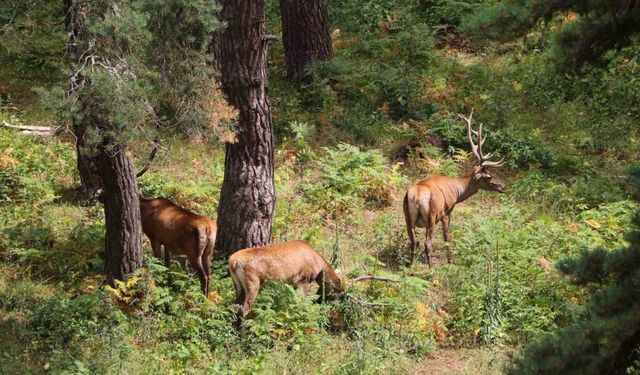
367 304
29 127
371 277
152 155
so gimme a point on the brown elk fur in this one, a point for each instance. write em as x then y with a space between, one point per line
432 199
182 233
293 262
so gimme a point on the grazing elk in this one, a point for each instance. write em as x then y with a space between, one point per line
432 199
182 233
293 262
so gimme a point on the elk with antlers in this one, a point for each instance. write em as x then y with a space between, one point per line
432 199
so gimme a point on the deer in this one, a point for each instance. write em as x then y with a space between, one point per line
178 230
293 262
432 199
181 232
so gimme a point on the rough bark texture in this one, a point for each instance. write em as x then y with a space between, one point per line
247 198
305 34
123 246
88 165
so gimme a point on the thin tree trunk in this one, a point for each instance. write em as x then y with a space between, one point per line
247 198
305 34
88 162
88 165
123 246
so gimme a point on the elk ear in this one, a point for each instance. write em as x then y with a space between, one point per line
478 176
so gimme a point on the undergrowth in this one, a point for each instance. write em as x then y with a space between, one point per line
380 114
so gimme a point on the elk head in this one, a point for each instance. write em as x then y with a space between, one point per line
480 172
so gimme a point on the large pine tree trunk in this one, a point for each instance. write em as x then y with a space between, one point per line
247 198
305 34
123 246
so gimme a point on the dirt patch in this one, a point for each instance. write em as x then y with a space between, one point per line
461 362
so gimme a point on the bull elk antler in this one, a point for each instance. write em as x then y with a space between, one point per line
476 149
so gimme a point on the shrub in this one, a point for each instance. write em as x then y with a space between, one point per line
347 177
505 283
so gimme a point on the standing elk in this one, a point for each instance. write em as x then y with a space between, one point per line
181 232
293 262
432 199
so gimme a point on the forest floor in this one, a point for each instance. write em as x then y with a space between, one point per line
462 361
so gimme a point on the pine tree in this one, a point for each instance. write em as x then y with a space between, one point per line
247 198
584 30
108 86
306 35
87 162
607 341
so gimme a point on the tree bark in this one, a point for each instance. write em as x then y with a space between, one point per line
247 198
305 35
88 162
123 246
88 165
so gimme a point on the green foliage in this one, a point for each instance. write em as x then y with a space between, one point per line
518 148
281 314
566 140
503 283
350 177
181 32
31 43
448 12
405 326
36 174
32 169
606 340
373 79
61 320
584 31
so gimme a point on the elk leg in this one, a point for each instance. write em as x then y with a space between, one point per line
445 227
196 263
445 232
240 295
323 288
206 265
429 220
411 229
167 257
428 247
251 293
206 261
156 247
183 264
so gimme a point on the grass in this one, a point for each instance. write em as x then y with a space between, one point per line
51 283
375 118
